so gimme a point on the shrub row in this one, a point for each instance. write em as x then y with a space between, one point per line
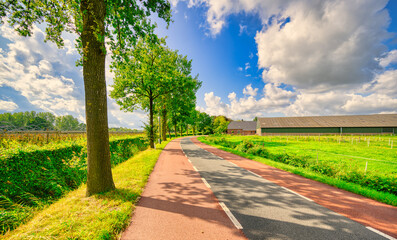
31 179
342 171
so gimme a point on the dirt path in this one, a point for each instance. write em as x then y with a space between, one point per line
176 204
366 211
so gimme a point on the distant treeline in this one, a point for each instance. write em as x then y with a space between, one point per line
45 121
41 121
123 129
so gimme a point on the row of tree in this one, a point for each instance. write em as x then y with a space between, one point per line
42 121
158 80
200 123
96 22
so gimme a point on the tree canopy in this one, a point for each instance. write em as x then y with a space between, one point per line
155 79
119 24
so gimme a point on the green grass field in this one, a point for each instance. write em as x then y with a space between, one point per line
351 150
366 161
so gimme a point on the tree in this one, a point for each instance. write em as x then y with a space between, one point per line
205 123
148 74
21 121
68 123
182 101
220 124
121 22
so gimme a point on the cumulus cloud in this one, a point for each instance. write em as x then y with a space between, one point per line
272 100
390 58
119 118
8 106
379 96
326 45
48 78
248 90
332 53
27 67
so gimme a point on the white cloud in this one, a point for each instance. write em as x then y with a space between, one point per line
332 53
27 67
247 66
248 90
129 119
242 28
370 104
240 69
8 106
391 57
323 45
36 70
273 100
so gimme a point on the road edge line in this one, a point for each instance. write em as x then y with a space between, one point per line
254 174
308 199
230 215
233 164
206 183
380 233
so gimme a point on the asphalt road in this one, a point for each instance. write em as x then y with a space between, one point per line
266 210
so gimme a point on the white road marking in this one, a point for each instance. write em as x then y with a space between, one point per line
233 164
195 169
381 233
189 160
206 183
254 174
308 199
231 216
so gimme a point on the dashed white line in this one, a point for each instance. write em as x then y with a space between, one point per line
231 216
308 199
195 169
206 183
381 233
254 174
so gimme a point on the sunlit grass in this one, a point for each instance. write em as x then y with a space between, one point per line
101 216
279 145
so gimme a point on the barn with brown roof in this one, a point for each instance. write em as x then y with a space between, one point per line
351 124
242 128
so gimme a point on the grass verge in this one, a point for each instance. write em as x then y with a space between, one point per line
101 216
387 198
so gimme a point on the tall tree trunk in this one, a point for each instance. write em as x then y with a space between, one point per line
99 172
164 124
187 129
151 132
169 132
194 130
175 130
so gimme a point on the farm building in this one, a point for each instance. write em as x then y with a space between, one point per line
242 127
352 124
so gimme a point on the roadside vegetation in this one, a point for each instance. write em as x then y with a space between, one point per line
101 216
366 165
34 176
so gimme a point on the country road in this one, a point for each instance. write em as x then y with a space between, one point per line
266 210
200 192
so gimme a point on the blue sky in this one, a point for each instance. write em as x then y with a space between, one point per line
255 58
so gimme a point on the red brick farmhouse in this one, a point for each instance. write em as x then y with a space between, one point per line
242 128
